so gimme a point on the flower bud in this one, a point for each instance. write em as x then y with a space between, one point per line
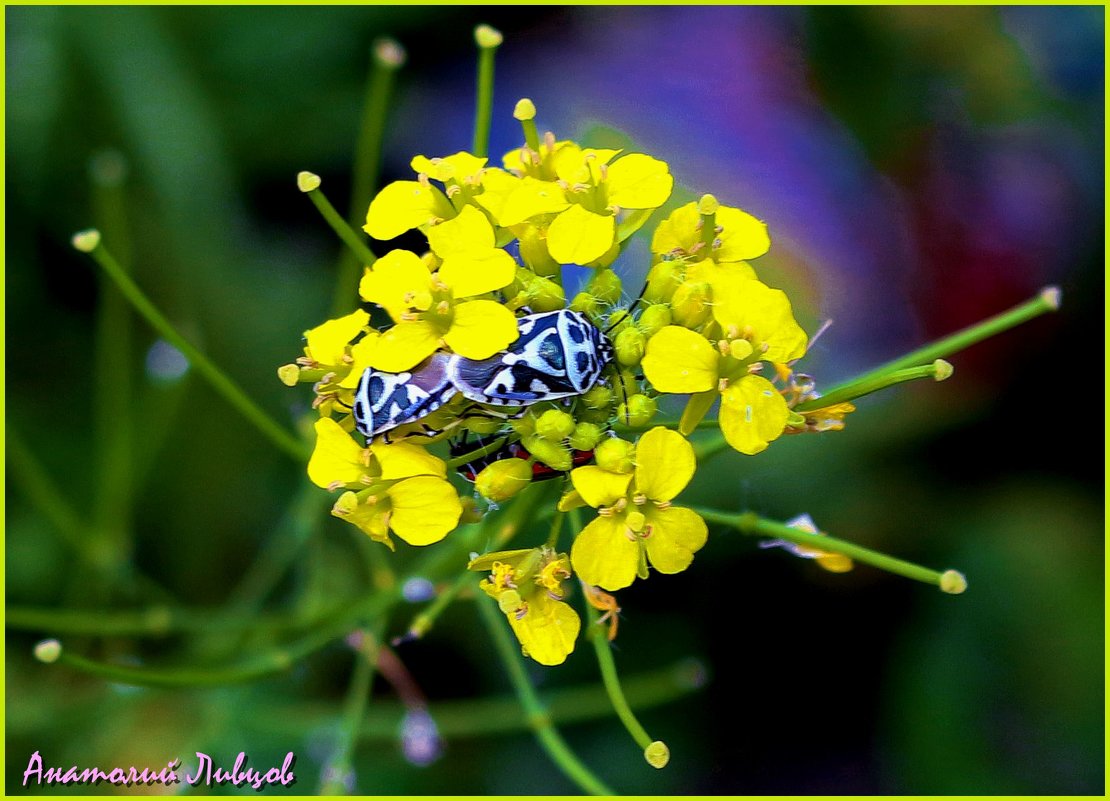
653 319
690 304
533 252
503 479
629 345
525 425
553 454
606 286
638 412
554 425
599 397
615 455
585 436
545 295
585 303
483 425
662 281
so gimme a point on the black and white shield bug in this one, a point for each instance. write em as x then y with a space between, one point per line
558 354
386 400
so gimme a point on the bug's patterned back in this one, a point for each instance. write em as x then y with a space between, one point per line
386 400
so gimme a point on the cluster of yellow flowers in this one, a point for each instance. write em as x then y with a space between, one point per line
499 239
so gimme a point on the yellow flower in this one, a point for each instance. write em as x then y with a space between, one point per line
528 587
400 486
636 522
742 237
332 363
404 205
426 305
753 323
576 194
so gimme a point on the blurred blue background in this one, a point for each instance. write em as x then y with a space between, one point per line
918 168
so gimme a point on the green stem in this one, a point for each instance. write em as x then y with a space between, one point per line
423 622
1046 301
535 712
483 717
609 677
483 111
344 231
386 57
478 453
338 767
556 529
871 382
750 523
709 447
216 378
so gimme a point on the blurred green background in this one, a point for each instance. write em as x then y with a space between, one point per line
919 169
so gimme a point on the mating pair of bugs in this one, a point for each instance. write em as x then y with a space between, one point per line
557 355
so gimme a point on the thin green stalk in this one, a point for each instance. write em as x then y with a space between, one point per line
491 716
865 385
536 713
478 453
488 41
423 622
89 242
705 449
1047 300
949 581
386 57
336 770
310 185
556 528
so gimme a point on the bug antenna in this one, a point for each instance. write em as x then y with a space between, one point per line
631 306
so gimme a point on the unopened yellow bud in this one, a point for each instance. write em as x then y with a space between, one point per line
657 754
503 479
708 205
509 601
585 303
289 374
553 454
585 436
653 319
599 397
48 651
662 281
952 582
545 295
308 181
615 455
525 109
86 241
629 346
483 425
487 36
534 253
555 425
638 412
690 304
606 286
524 426
943 370
618 321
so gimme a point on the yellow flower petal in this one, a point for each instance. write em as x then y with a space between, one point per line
480 329
676 535
637 181
461 166
425 509
599 487
753 414
405 345
766 311
404 460
665 464
326 343
576 165
743 237
578 236
337 458
530 198
468 231
394 281
371 518
678 360
548 629
678 232
477 272
497 187
603 556
362 354
404 205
